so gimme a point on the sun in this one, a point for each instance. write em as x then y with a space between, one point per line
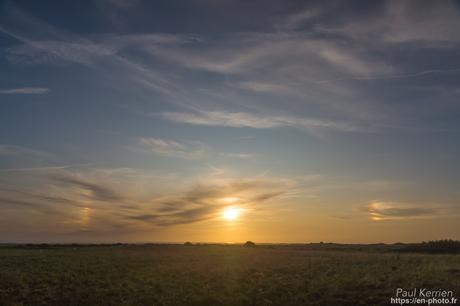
230 213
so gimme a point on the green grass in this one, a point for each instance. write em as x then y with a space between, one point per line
215 275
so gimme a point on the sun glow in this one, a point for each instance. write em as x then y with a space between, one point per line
230 200
230 213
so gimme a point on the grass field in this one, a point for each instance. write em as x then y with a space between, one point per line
215 275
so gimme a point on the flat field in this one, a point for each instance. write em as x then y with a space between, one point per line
215 275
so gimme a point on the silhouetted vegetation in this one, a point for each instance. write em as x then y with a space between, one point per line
434 247
249 244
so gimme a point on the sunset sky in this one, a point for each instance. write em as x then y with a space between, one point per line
227 121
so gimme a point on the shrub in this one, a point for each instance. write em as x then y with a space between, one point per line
249 244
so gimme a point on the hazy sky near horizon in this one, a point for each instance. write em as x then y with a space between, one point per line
133 120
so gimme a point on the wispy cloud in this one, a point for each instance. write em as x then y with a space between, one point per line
392 210
296 20
279 51
205 201
237 155
67 194
270 88
44 168
97 191
24 91
396 76
189 150
42 43
240 120
289 62
432 23
31 205
14 150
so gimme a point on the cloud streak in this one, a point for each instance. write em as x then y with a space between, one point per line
64 193
394 211
396 76
45 168
237 155
14 150
204 202
24 91
98 192
248 120
99 53
192 150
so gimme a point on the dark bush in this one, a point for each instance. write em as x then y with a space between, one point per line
249 244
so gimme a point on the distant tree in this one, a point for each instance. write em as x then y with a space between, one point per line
249 244
188 243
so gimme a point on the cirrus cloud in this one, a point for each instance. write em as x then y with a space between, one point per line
249 120
393 210
24 91
189 150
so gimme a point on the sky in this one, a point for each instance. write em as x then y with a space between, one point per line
227 121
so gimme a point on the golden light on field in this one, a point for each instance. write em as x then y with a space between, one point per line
231 213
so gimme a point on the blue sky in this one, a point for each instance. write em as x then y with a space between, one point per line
131 120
